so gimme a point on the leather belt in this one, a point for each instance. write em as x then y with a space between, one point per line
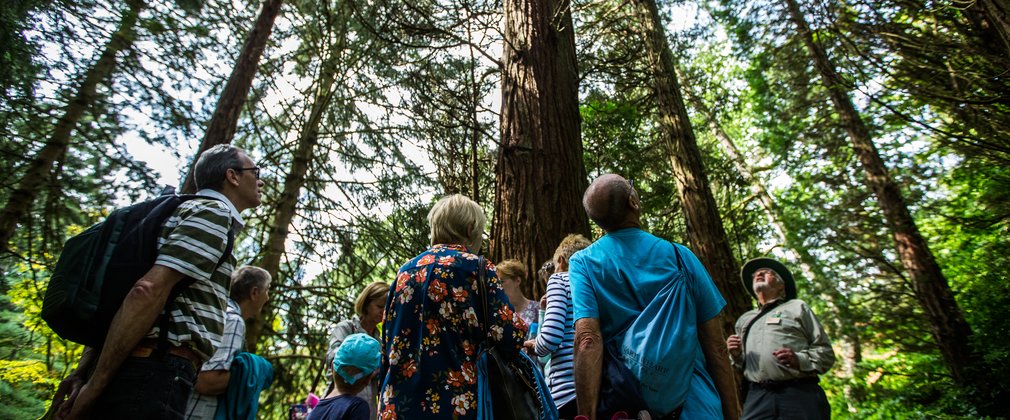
147 347
770 385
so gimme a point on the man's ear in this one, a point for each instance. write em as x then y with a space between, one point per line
231 177
633 202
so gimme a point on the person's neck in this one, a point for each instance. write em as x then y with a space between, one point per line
517 299
369 327
766 298
245 307
337 392
630 222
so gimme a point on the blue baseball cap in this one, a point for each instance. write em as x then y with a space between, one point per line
358 350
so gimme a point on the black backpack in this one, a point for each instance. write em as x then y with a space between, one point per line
98 267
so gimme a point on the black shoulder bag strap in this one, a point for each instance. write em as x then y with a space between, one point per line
764 311
481 269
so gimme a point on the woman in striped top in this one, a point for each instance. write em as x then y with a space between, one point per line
557 334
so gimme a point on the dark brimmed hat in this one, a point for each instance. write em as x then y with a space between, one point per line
747 275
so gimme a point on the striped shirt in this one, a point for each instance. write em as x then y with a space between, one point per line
192 242
556 337
232 343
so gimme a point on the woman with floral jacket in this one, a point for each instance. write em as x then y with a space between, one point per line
432 330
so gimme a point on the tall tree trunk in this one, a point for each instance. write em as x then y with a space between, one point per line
540 175
704 226
222 125
705 230
813 271
947 324
38 170
294 181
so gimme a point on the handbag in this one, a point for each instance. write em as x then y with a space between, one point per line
508 388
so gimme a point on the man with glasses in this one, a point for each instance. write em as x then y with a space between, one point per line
780 347
140 373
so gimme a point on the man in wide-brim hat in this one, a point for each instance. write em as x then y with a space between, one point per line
780 347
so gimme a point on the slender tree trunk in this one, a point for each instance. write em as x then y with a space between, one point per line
294 181
947 324
845 319
705 230
475 123
808 266
38 170
222 125
540 175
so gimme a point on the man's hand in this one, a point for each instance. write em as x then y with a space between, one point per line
734 346
80 407
66 393
786 357
212 382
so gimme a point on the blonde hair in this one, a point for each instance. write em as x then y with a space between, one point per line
456 219
511 268
368 294
570 245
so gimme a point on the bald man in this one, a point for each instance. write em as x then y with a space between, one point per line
648 301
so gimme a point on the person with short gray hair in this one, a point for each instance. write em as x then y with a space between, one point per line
456 219
780 347
434 320
141 371
210 169
250 290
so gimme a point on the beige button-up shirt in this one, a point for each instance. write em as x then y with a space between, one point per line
791 324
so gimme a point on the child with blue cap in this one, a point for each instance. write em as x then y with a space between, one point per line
354 365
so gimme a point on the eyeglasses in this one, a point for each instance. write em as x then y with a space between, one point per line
255 169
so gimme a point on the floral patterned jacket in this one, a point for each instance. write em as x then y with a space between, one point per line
432 332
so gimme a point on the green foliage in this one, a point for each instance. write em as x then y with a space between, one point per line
411 104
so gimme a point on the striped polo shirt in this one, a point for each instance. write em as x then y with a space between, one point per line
192 241
556 337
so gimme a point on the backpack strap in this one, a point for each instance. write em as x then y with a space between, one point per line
631 292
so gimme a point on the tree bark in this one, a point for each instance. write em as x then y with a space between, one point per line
947 324
305 152
844 322
55 148
997 13
223 123
540 175
705 230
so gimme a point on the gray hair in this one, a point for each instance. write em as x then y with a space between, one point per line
246 278
213 164
456 219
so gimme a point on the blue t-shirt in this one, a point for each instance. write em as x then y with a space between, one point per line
341 407
617 276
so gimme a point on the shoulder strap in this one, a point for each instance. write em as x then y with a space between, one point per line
765 310
631 291
481 269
